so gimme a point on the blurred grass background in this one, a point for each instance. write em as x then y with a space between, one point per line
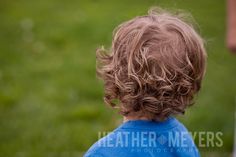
50 100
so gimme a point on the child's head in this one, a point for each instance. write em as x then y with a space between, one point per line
155 66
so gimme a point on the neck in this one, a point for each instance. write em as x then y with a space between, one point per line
128 118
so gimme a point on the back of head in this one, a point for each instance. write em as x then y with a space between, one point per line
155 66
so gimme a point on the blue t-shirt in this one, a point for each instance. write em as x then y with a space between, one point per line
142 138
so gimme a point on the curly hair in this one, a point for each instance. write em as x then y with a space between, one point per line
154 67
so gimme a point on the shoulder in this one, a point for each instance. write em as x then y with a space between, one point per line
94 151
100 148
182 142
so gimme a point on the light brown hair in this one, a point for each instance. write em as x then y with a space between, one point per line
154 67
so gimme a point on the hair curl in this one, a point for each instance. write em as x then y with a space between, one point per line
154 67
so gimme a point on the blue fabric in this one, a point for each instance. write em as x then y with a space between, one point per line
142 138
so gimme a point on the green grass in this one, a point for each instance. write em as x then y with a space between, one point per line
50 100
